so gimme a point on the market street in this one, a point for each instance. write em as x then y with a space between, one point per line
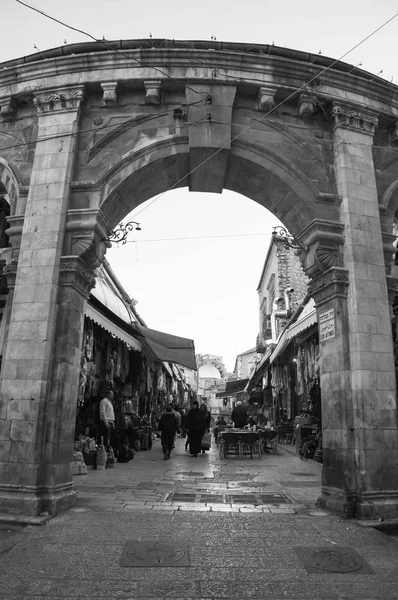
260 543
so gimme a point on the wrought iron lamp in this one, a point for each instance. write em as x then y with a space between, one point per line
290 241
119 235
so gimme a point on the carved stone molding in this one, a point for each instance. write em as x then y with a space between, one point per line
75 273
110 92
392 287
60 100
87 233
8 108
324 240
152 91
351 118
10 268
14 233
266 98
389 250
331 284
308 103
394 132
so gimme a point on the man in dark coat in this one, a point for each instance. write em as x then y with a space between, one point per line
168 426
196 427
239 415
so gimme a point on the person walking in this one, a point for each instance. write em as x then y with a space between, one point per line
207 420
168 427
196 428
178 417
239 415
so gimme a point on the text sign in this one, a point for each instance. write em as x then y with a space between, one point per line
327 329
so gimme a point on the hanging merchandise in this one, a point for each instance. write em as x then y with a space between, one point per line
82 380
299 375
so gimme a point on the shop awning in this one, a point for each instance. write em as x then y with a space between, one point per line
307 318
233 388
108 325
259 371
169 348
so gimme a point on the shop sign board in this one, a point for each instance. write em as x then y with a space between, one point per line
327 326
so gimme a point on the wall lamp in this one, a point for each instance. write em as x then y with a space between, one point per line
119 235
290 241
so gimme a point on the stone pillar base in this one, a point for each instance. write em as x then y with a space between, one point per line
34 501
370 506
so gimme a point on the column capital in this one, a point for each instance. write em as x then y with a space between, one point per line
75 273
61 100
354 118
324 240
266 97
331 284
8 106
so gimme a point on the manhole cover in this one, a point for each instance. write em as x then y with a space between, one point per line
191 473
154 554
332 560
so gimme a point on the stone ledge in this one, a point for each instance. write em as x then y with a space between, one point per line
24 520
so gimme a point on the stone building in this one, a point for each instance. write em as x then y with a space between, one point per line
281 289
245 362
210 384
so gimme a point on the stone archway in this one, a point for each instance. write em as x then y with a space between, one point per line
110 137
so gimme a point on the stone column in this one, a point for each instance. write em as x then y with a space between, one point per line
359 412
36 421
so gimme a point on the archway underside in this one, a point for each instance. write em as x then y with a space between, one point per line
281 192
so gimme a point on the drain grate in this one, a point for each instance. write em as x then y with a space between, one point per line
191 473
154 554
255 498
211 498
298 484
332 560
305 474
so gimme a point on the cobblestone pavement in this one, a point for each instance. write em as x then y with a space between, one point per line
203 529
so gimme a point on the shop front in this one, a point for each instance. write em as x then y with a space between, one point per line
120 354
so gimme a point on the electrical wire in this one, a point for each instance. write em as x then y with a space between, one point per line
200 237
109 126
103 42
273 109
245 129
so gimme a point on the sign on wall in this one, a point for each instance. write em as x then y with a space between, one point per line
327 327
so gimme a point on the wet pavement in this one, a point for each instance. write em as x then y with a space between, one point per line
200 528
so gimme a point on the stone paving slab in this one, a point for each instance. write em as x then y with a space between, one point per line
236 551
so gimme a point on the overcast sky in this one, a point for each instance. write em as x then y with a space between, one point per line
205 288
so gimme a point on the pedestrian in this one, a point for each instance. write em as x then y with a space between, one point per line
239 415
207 420
196 428
168 428
107 418
178 417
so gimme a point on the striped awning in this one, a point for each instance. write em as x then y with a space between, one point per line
307 318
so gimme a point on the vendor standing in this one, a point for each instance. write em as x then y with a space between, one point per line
107 418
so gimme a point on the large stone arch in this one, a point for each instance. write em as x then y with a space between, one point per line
94 138
253 172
